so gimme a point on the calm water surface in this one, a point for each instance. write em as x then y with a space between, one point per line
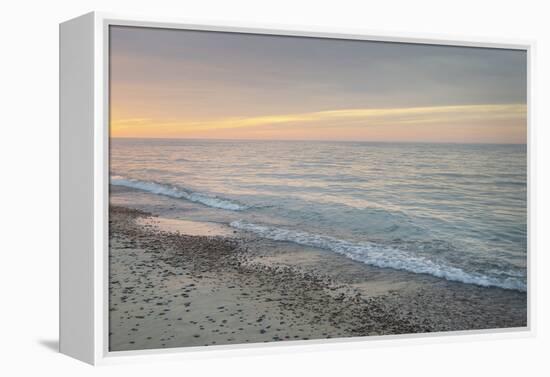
454 211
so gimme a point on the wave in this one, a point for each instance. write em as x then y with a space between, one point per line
384 256
179 193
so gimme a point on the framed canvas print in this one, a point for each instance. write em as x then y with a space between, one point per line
225 187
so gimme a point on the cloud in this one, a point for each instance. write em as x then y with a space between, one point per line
365 117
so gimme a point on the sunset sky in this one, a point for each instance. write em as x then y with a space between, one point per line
192 84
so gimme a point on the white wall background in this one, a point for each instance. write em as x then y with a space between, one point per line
29 188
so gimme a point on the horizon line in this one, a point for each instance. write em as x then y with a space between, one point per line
316 140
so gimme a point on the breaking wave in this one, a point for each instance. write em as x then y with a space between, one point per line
384 256
179 193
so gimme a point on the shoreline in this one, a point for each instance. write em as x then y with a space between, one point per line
169 289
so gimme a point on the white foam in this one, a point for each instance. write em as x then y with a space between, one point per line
382 256
179 193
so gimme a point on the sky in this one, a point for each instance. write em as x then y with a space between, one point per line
197 84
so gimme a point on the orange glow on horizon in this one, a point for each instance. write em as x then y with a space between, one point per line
505 123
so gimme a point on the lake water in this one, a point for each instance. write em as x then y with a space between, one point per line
454 211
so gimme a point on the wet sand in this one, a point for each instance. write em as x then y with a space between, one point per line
169 288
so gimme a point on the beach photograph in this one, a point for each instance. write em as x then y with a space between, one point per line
268 188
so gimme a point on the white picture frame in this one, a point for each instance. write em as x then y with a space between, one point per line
84 177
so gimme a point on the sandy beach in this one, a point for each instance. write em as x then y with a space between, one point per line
176 283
